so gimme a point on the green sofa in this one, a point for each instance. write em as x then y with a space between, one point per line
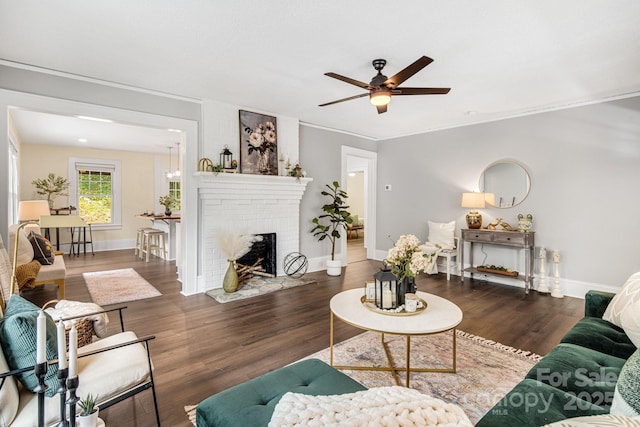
251 403
577 377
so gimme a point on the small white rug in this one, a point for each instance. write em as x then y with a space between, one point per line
258 286
117 286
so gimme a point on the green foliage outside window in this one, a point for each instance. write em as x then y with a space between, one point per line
174 193
95 196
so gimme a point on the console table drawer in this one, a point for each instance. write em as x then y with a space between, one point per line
510 238
478 236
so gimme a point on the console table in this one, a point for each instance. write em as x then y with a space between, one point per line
513 239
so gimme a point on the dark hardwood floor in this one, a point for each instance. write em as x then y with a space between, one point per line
203 347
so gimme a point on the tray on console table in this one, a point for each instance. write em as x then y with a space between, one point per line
514 239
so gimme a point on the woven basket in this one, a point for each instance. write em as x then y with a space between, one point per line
85 333
83 326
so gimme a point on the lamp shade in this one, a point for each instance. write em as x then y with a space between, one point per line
473 200
490 198
32 210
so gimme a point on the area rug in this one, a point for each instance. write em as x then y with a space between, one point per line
258 286
117 286
486 370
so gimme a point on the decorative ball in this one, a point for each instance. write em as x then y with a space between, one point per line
295 264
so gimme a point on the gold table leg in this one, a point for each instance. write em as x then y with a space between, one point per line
392 368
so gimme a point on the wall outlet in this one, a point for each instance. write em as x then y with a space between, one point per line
387 187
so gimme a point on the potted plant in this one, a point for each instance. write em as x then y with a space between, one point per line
88 414
50 186
338 217
168 202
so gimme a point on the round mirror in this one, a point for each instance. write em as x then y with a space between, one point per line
505 183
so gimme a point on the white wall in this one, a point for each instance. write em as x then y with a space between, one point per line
320 156
585 168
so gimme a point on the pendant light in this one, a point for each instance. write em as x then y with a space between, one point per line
170 173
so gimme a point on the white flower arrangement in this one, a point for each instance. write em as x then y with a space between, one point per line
406 259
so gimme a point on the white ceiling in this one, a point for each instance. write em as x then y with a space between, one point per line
502 58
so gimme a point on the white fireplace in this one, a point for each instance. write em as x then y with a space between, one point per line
246 204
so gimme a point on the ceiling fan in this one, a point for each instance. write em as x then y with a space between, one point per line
382 88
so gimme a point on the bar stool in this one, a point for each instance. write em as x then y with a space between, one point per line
139 241
153 243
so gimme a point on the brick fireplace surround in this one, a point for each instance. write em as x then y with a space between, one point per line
246 204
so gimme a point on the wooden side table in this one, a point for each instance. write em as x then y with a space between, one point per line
514 239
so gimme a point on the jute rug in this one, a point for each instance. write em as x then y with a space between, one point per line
486 370
116 286
258 286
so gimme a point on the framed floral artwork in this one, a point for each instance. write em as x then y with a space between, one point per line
258 144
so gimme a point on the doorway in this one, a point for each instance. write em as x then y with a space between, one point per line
359 180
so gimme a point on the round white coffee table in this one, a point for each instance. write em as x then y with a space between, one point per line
440 316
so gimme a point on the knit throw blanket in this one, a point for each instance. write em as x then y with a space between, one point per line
376 407
26 274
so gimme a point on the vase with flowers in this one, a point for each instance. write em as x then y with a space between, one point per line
234 246
262 140
168 202
406 260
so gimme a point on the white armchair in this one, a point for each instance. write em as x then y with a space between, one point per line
444 243
113 368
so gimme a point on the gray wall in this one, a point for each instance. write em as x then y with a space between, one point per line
584 165
321 158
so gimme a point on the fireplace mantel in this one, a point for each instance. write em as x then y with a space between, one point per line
244 186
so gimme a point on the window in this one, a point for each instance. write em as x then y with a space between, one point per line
13 181
94 188
174 191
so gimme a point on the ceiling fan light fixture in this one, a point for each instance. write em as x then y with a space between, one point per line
380 97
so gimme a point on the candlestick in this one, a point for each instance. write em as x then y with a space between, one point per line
73 351
41 388
41 338
542 286
62 390
62 346
555 290
72 385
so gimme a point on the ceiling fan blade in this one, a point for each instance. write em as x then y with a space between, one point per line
344 99
349 80
421 90
399 78
381 109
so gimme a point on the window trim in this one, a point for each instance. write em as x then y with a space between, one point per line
105 164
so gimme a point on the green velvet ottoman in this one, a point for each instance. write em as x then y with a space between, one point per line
252 402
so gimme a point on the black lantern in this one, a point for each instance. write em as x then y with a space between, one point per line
389 290
226 158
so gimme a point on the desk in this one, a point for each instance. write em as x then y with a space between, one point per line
168 224
61 221
513 239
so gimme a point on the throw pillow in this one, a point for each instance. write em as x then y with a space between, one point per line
25 250
626 300
626 397
630 321
441 233
18 339
42 249
9 396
